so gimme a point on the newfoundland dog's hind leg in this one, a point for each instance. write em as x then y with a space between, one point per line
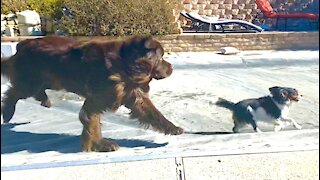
91 137
43 98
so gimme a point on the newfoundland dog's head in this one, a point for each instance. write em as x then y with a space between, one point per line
139 57
143 60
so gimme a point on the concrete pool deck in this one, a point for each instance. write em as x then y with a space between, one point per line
286 165
43 143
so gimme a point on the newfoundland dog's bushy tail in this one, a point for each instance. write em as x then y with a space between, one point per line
225 103
7 66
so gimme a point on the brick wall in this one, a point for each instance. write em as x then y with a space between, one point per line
242 41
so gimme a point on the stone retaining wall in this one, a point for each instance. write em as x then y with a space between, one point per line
231 9
214 41
246 9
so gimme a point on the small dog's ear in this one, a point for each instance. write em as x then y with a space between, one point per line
273 89
278 92
283 93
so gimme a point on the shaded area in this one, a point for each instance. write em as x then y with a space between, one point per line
13 141
209 132
247 64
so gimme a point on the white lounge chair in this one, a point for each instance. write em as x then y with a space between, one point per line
214 24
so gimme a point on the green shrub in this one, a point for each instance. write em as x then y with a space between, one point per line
12 6
121 17
48 8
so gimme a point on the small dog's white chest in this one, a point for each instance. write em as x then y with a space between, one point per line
285 111
260 114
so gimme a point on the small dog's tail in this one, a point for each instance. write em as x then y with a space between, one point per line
225 103
7 66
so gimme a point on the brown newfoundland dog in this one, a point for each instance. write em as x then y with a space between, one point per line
107 74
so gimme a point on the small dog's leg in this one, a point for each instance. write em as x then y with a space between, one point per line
91 137
295 124
277 128
258 130
255 126
278 125
236 127
238 124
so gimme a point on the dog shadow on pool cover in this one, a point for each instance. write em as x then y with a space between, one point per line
13 141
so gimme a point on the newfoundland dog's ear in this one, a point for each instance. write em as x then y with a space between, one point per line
139 45
92 52
142 46
156 47
150 43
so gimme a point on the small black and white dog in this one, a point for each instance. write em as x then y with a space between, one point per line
270 109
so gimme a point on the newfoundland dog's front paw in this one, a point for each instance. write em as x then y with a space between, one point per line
104 145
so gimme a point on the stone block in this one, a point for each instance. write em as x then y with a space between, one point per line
249 17
215 6
225 6
201 12
195 8
202 2
176 49
241 16
211 40
186 2
208 6
241 1
215 12
250 6
241 6
228 12
198 6
187 7
254 11
244 11
221 12
228 1
217 2
235 11
208 12
228 16
235 6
